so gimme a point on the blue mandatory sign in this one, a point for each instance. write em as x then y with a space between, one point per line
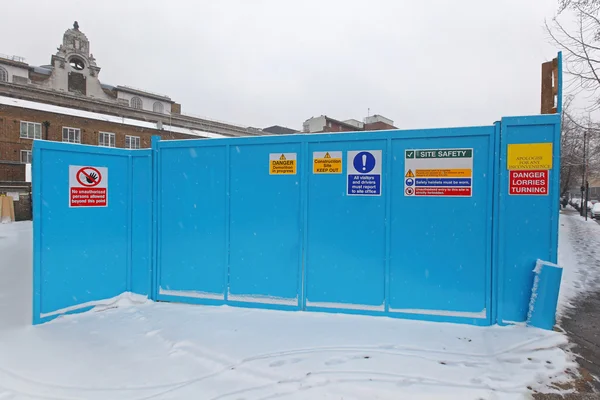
410 182
364 162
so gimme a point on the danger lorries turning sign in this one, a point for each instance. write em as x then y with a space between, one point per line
528 182
88 186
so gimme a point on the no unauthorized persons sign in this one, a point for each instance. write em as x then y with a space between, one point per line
528 183
88 186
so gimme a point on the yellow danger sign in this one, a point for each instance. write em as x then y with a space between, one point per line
444 173
409 174
282 164
534 156
327 162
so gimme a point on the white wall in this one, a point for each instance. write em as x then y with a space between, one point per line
59 80
147 102
316 124
15 71
378 118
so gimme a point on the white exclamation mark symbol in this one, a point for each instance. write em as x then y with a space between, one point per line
364 160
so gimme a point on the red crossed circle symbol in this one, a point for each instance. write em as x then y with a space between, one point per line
88 173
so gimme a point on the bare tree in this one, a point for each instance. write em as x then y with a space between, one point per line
580 150
581 46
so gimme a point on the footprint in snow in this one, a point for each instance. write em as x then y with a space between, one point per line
280 363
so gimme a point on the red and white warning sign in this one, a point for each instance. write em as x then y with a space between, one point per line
528 182
88 186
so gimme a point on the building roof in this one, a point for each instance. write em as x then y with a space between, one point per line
44 70
9 101
144 93
279 130
340 122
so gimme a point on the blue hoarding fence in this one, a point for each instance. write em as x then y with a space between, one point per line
413 224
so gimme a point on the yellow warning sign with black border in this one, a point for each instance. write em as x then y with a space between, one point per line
327 162
282 164
409 174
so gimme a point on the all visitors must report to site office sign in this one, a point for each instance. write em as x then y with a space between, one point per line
88 186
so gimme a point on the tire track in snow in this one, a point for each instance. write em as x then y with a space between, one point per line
425 354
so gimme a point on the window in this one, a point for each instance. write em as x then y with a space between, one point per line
26 156
31 130
158 107
71 135
106 139
3 75
76 63
136 102
132 142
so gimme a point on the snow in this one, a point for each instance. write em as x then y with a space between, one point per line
325 304
8 101
578 255
191 293
121 300
444 313
133 349
263 299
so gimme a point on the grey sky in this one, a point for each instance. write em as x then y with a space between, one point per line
265 62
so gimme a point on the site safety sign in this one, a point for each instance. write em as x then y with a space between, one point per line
327 162
438 172
88 186
282 163
364 173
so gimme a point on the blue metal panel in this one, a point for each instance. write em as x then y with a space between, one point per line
345 263
191 227
497 175
559 99
141 221
265 229
82 254
155 245
440 256
528 227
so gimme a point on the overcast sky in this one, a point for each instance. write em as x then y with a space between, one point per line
265 62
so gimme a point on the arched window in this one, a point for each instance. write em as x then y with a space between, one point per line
3 75
158 107
136 102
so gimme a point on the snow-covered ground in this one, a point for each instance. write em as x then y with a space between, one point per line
579 255
133 349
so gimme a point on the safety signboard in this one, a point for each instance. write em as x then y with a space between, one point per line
528 183
282 164
364 173
88 186
327 162
438 172
529 156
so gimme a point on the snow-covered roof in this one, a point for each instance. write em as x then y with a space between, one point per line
107 86
42 70
8 101
141 92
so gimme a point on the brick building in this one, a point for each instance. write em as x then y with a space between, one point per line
66 101
327 124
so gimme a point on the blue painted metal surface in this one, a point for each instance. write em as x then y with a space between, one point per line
527 225
346 234
440 252
191 221
87 254
544 296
